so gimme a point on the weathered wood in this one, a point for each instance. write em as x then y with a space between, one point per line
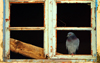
26 49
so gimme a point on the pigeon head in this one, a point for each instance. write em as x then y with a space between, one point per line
70 34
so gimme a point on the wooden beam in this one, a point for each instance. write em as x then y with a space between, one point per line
26 49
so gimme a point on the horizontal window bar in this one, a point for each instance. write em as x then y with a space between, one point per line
85 1
73 28
73 57
26 1
35 60
74 1
26 28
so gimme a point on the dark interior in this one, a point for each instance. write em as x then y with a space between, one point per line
27 15
84 37
73 15
68 15
32 37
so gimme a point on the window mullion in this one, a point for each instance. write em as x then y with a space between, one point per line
54 25
50 9
46 43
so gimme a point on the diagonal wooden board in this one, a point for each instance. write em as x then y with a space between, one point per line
26 49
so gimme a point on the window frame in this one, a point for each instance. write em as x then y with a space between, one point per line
8 28
53 44
50 30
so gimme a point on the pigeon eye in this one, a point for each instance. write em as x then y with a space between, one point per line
69 34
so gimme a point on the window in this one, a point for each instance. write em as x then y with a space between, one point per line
25 21
77 17
50 21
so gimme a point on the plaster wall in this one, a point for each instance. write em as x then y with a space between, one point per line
1 35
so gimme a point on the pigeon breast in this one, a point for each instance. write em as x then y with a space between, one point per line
72 44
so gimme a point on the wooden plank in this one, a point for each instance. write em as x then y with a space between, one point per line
26 49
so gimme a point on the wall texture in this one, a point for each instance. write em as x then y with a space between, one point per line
1 29
1 34
98 27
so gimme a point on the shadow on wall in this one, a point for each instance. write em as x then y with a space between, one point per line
98 57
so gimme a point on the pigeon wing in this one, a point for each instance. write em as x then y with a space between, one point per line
76 43
67 44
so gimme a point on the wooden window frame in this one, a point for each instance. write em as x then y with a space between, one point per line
50 27
53 43
8 28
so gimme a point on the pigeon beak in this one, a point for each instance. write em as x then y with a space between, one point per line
67 35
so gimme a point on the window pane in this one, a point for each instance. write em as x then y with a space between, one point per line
73 15
84 37
31 37
27 15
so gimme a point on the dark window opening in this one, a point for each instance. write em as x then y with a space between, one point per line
73 15
18 56
31 37
27 15
84 37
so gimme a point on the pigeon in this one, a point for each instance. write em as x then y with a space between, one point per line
72 43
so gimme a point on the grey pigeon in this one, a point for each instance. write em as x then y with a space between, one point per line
72 43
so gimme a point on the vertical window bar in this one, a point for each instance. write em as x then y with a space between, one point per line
7 32
54 26
46 28
93 44
50 27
